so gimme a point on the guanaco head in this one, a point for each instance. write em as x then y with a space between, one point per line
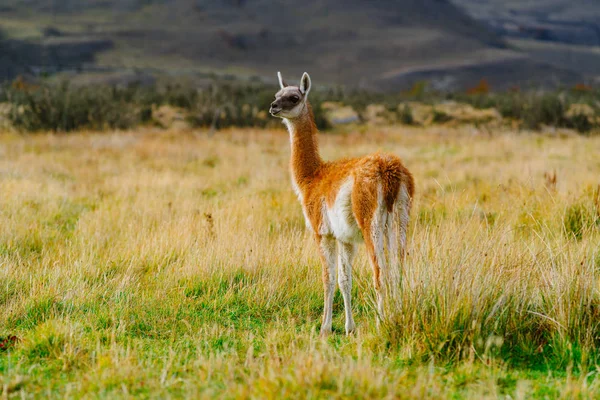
290 101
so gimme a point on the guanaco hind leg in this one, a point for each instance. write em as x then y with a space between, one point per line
374 241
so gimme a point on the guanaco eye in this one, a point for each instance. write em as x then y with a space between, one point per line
295 99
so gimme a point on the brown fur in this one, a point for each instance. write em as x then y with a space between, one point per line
320 181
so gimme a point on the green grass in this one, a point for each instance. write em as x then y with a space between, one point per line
120 277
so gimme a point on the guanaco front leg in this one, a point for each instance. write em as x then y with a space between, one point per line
327 250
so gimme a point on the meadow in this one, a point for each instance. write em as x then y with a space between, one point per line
155 264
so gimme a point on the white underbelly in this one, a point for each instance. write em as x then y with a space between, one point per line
340 218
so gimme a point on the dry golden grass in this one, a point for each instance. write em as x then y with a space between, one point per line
154 264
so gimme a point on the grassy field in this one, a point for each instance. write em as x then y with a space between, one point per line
159 265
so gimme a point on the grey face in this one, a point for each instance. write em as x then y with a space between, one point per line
288 103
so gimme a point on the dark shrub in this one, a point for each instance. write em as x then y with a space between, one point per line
406 116
63 108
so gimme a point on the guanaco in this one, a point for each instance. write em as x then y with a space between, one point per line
345 202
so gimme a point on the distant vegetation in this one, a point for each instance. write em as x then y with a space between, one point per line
64 107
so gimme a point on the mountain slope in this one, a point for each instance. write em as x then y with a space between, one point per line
564 21
374 44
561 33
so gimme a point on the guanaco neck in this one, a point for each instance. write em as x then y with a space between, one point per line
305 160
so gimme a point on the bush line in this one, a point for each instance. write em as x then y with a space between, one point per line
64 107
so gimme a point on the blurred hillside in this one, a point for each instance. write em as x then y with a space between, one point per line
385 44
561 33
571 22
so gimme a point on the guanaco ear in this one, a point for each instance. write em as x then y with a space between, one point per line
282 83
305 84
